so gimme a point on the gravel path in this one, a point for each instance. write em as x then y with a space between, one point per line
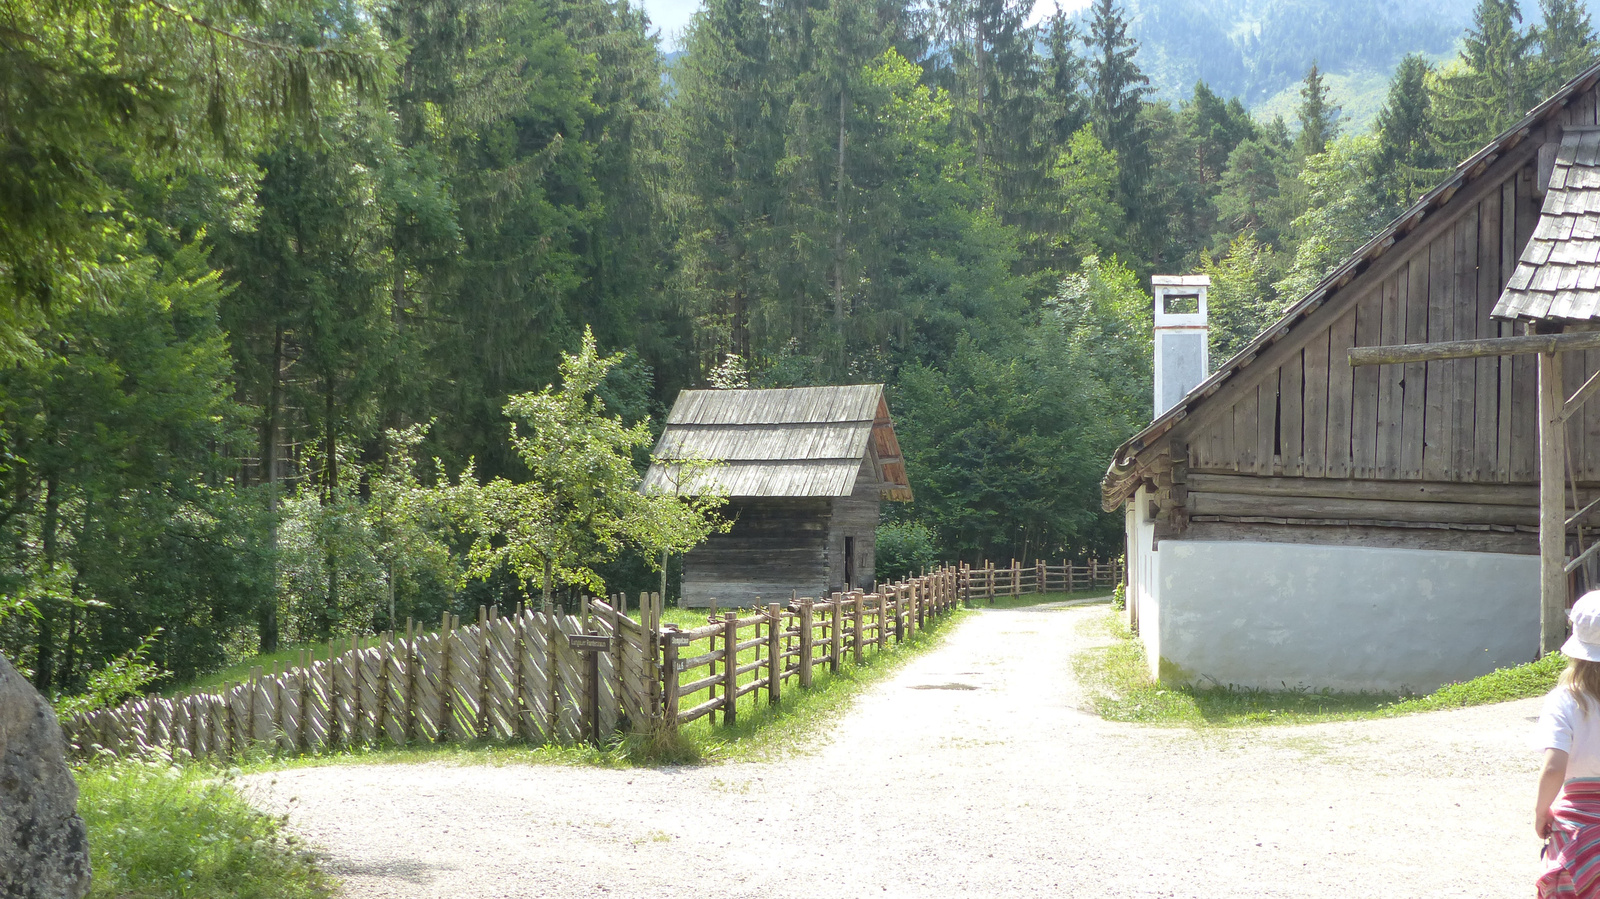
972 772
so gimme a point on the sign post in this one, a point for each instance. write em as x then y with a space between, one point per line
591 645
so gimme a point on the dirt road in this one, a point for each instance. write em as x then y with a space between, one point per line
972 772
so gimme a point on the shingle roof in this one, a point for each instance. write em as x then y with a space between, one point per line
803 441
1557 278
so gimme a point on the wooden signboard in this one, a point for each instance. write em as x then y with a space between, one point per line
589 642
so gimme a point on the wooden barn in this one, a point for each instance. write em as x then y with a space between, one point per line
1297 520
804 470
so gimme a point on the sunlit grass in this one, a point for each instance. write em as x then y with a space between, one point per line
159 830
1117 676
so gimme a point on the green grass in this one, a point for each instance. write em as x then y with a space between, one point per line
163 830
1117 677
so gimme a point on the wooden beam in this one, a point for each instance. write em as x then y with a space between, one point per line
1582 558
1412 491
1552 504
1543 344
1575 403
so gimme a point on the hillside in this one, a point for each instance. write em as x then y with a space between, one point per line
1258 50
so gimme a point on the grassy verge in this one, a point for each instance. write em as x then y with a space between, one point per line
1118 679
163 830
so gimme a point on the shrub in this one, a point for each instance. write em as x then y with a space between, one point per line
904 548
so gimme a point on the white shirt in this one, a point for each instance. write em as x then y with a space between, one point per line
1564 725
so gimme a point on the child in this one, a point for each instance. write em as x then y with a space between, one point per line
1567 814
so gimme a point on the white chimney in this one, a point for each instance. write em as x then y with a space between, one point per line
1182 357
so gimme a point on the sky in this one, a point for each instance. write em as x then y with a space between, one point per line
672 16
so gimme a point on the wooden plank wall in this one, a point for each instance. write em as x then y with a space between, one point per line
1458 420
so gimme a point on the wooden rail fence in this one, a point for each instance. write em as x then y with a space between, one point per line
707 670
1016 579
536 677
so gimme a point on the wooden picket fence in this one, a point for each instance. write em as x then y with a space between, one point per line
539 677
505 678
989 581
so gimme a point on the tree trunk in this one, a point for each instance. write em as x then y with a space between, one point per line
838 237
267 614
44 649
548 573
330 483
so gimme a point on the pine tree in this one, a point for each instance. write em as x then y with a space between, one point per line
1319 121
1064 75
1116 94
1407 162
727 141
1491 85
1566 43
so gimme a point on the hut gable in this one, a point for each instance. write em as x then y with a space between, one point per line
1290 408
796 442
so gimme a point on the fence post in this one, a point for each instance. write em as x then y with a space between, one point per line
669 693
899 622
857 602
807 638
774 653
835 639
730 664
988 568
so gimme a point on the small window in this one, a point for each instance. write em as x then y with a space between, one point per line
1181 303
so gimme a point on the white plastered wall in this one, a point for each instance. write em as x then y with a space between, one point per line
1275 615
1143 609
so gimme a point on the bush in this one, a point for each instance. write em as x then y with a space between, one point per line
161 830
904 548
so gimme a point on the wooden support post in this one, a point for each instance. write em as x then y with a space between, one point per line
652 647
883 619
617 656
774 653
856 602
1039 580
445 676
669 692
730 664
899 616
807 641
835 638
593 677
1552 507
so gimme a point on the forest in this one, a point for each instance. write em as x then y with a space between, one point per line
302 298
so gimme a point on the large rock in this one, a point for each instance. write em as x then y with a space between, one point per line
44 849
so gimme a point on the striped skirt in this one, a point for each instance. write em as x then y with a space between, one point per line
1572 855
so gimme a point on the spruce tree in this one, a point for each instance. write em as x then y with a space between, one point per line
1407 161
1116 93
1064 75
1491 85
1319 121
1566 42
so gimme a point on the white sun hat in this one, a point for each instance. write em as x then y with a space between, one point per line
1585 617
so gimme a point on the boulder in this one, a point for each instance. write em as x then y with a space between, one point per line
44 848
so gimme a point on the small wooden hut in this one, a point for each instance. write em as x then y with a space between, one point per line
804 470
1300 520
